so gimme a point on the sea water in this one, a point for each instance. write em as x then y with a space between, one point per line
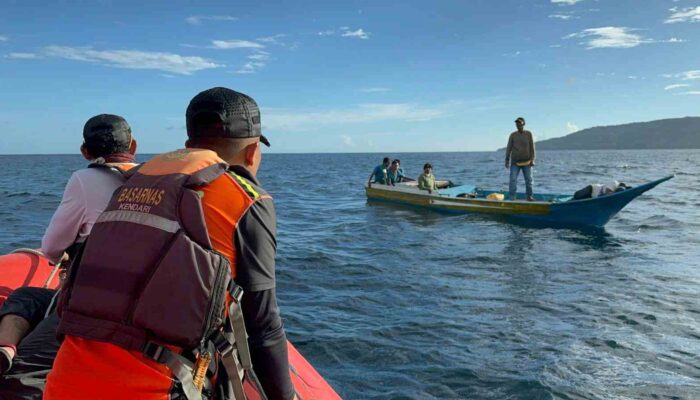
393 302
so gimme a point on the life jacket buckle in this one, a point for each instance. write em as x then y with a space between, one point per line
222 345
154 351
236 292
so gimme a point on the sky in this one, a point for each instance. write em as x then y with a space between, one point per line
351 76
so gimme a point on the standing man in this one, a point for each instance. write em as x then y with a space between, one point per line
143 314
520 155
380 173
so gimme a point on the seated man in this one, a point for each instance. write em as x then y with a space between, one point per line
206 204
109 143
25 311
380 173
426 180
395 173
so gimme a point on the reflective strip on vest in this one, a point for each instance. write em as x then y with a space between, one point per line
154 221
247 186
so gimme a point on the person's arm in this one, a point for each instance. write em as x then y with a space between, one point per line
268 343
369 180
509 148
532 150
66 221
421 183
256 246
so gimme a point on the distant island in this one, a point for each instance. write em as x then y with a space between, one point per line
674 133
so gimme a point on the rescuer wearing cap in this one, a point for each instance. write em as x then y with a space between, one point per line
520 155
138 324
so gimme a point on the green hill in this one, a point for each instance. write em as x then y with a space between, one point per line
674 133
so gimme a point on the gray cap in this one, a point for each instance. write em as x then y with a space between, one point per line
238 114
107 130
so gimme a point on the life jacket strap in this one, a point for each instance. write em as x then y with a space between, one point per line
232 345
181 367
235 373
236 327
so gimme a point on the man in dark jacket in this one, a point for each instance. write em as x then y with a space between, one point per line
520 156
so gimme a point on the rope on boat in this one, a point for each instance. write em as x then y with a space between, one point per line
30 251
39 253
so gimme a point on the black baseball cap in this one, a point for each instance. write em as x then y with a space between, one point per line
520 119
237 113
107 131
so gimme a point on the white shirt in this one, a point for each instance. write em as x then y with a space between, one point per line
601 189
86 195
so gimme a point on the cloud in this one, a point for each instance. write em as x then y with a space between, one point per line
674 40
690 93
345 31
685 76
513 54
676 86
258 61
571 128
690 14
197 19
277 41
375 90
347 141
4 38
22 56
273 39
133 59
260 56
284 119
235 44
562 16
359 34
566 2
250 67
610 37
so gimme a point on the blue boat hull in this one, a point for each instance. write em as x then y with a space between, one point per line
589 213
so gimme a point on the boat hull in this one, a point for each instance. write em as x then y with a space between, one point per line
29 268
595 212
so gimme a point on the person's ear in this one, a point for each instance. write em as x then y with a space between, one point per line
250 151
86 154
133 146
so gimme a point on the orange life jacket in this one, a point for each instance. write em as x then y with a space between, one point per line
149 279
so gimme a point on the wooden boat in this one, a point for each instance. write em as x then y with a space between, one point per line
547 209
30 268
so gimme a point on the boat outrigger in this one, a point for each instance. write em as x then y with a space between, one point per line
552 210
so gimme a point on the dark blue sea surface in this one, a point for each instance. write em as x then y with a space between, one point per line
391 302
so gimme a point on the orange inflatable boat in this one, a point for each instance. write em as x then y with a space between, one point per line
30 268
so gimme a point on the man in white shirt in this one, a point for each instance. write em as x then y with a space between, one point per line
108 140
109 144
